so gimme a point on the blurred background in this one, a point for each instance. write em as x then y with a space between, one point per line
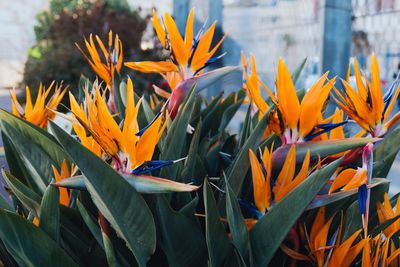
37 37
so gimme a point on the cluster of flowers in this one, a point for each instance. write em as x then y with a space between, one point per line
295 119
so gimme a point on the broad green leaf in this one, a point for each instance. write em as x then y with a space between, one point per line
240 165
245 129
109 249
237 226
94 228
27 197
28 244
190 163
269 232
37 165
181 238
119 86
12 158
49 220
142 184
318 149
119 202
385 154
37 136
218 243
175 140
4 204
323 200
91 223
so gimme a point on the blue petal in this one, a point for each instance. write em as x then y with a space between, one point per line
141 132
250 208
209 62
152 165
390 92
362 198
324 129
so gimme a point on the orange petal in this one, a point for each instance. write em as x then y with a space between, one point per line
152 66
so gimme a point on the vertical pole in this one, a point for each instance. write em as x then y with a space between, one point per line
180 12
337 37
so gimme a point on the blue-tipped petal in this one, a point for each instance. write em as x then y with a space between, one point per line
141 132
327 127
152 165
362 198
250 208
209 62
390 92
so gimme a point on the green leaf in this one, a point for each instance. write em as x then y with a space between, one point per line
24 194
28 244
240 165
190 163
109 249
269 232
119 202
37 136
298 70
228 114
180 237
4 204
318 149
84 82
237 226
217 241
37 165
323 200
92 224
141 183
175 140
50 213
119 86
385 154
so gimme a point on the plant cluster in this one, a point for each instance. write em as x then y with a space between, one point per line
55 57
159 180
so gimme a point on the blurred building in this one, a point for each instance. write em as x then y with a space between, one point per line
292 29
17 19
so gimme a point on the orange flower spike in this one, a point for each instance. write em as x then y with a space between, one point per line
300 177
65 172
286 174
289 104
375 90
161 34
342 179
38 113
340 254
366 105
189 55
189 30
260 187
253 86
177 44
312 104
113 56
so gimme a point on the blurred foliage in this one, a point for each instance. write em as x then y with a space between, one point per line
66 22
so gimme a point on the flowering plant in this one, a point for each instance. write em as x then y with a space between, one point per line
159 180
